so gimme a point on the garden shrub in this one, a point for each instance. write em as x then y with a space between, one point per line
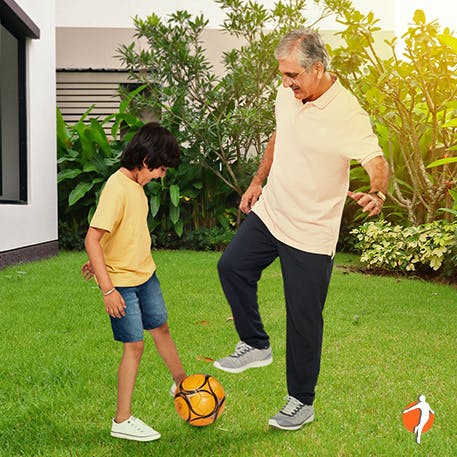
208 239
425 248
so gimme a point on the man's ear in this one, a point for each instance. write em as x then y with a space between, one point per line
319 69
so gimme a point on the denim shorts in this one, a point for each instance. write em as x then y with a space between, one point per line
145 310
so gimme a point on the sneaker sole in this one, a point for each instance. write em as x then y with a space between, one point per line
273 423
256 364
135 438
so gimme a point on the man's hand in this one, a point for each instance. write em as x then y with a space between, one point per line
249 198
370 203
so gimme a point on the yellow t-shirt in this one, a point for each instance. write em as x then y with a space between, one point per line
122 211
303 200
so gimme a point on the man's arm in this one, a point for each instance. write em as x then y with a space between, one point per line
254 190
378 172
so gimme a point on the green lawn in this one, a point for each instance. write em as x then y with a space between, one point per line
385 342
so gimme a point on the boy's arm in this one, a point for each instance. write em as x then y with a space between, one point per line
114 303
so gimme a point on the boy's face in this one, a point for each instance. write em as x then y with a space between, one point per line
145 175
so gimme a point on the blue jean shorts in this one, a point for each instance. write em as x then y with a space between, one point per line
145 310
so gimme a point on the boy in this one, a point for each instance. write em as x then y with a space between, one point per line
118 244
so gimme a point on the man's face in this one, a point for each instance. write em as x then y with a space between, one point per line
304 83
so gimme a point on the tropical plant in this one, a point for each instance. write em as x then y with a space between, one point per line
85 159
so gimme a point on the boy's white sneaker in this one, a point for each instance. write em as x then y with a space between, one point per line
134 429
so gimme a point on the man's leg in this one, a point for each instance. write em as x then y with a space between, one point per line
252 249
306 279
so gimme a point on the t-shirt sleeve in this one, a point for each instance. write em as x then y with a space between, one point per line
365 144
109 208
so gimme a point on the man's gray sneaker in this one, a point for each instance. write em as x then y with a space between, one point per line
245 357
293 416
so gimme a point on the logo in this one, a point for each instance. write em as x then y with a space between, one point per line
418 417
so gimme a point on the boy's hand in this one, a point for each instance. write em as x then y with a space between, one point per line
87 271
114 304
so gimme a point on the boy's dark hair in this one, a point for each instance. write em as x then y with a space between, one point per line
154 146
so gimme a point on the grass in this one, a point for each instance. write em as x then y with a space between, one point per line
385 342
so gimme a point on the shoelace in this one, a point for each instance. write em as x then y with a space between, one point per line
241 348
292 406
134 421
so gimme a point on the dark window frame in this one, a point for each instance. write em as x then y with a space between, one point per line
21 27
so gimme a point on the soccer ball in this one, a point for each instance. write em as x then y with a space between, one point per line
199 399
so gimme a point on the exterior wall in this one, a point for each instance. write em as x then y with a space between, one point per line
32 227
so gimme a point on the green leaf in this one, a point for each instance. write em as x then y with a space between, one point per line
451 123
445 161
63 139
174 194
125 103
179 227
67 174
419 17
97 135
174 214
154 204
453 194
449 41
79 191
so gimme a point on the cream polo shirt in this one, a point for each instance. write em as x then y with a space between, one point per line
303 200
122 211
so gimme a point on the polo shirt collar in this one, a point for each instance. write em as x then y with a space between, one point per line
327 96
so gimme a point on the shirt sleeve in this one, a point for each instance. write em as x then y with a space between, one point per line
109 208
363 143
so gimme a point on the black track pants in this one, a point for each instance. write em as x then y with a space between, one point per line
306 278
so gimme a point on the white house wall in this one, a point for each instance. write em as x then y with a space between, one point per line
35 223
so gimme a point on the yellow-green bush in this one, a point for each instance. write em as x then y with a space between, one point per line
425 247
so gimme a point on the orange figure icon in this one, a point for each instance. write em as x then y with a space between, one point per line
418 417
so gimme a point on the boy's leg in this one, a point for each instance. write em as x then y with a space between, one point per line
154 316
167 350
128 369
252 249
129 330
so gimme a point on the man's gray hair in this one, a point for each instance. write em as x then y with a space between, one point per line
306 45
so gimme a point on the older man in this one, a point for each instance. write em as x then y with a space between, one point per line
320 128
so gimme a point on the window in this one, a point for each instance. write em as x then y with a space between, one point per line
15 27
